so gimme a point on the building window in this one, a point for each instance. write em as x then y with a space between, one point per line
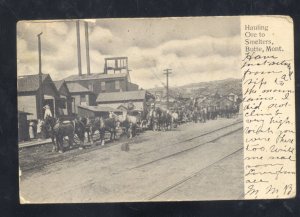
117 85
102 85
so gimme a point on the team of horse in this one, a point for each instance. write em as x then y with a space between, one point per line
156 119
58 130
159 119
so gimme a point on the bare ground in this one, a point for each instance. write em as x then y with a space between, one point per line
101 174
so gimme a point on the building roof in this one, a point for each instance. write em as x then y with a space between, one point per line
224 99
99 108
25 113
209 101
29 83
58 84
185 95
77 88
121 96
94 76
122 107
231 90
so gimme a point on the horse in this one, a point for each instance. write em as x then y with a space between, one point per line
62 130
144 120
47 125
58 130
102 125
79 130
195 116
130 123
175 117
69 129
86 123
152 120
166 120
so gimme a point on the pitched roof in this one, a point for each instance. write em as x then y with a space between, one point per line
122 107
209 101
94 76
25 113
99 108
77 88
121 96
58 84
224 99
28 83
185 95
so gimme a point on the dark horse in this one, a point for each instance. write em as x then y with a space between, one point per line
131 123
102 125
165 121
48 125
58 131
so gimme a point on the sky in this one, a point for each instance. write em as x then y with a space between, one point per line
196 49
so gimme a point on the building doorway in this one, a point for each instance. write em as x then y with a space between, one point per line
49 102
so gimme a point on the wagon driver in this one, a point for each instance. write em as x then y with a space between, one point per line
47 111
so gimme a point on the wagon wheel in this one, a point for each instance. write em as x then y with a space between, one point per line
65 142
96 136
76 140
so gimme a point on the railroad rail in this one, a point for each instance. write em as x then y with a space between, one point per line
196 137
189 149
165 190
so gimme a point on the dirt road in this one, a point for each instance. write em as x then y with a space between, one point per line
196 161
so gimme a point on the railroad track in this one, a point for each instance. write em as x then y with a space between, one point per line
66 157
180 182
196 137
191 148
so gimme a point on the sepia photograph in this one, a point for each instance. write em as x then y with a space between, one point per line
129 110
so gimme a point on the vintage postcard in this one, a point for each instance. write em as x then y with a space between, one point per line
156 109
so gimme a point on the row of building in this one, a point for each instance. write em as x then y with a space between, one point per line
90 94
176 99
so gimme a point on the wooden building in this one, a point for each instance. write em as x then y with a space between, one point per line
23 126
80 96
232 97
103 83
138 99
224 103
115 78
31 94
64 103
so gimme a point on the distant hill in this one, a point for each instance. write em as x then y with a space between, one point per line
223 87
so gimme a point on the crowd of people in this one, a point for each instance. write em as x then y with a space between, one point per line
158 118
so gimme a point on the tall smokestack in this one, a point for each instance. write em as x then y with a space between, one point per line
78 47
86 26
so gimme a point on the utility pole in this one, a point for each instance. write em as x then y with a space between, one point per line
167 73
78 47
87 46
41 95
